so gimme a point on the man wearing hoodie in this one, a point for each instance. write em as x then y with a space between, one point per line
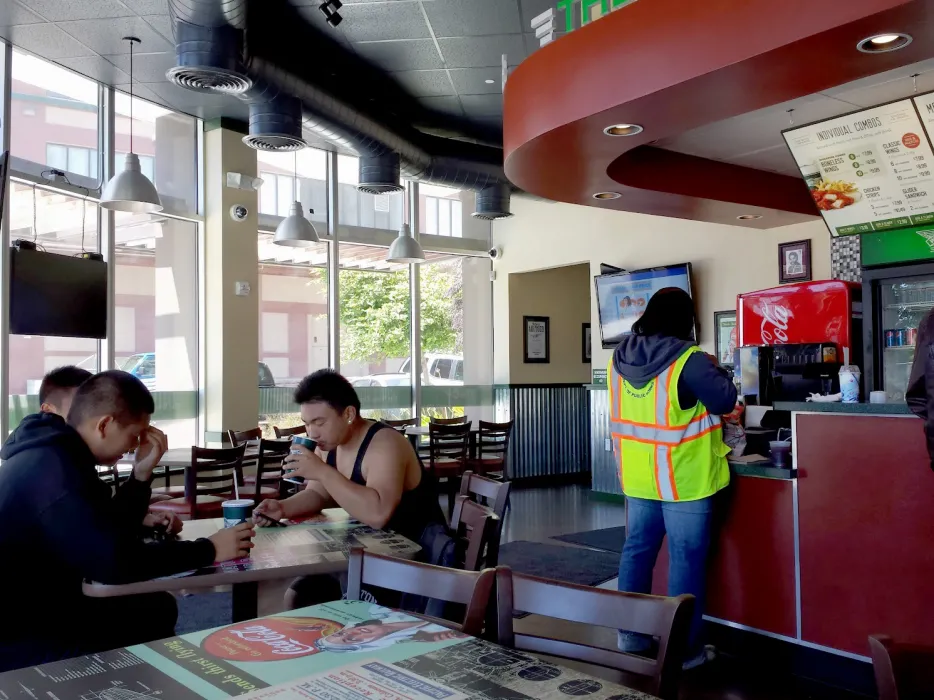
60 525
666 398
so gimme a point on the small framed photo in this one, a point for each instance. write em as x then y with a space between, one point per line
586 353
536 345
725 324
794 262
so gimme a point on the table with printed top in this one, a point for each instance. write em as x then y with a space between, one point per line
344 650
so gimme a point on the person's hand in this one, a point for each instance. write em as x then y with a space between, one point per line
152 445
272 509
171 522
305 464
233 542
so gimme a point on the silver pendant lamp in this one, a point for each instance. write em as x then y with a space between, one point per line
295 230
130 190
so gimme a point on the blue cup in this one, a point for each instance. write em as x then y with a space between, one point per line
236 512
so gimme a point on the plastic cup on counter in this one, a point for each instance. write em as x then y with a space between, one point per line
877 397
849 383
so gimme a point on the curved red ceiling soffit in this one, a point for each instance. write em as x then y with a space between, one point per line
675 65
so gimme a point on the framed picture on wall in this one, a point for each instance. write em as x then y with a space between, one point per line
586 354
794 262
536 345
725 325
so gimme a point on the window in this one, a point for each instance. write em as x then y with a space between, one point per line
50 105
441 216
278 191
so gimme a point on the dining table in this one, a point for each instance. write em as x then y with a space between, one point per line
342 650
317 545
173 463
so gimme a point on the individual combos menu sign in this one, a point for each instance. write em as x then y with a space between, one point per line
868 171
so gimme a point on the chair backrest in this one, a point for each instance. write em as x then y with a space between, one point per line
495 494
289 432
493 440
471 588
401 425
478 529
269 465
447 443
903 671
449 421
237 437
665 618
213 473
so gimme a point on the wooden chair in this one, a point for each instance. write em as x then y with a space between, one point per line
668 619
237 437
212 478
470 588
447 455
289 432
449 421
478 530
492 448
401 425
903 671
267 482
494 494
255 436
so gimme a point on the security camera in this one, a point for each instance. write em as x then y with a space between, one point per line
495 253
238 212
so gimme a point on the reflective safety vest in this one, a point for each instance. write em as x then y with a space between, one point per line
666 452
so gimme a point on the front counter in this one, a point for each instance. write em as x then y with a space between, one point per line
837 549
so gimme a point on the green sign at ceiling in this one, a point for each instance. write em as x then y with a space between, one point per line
584 11
903 245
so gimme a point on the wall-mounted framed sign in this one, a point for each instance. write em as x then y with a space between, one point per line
536 345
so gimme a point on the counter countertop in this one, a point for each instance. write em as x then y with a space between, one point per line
879 409
763 470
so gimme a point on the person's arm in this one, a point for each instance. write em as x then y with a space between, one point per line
309 501
708 383
131 500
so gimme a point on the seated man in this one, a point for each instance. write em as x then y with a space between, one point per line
60 525
364 467
58 388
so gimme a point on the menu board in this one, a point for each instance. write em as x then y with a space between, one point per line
869 171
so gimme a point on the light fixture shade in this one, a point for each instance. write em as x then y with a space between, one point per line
130 190
295 230
405 249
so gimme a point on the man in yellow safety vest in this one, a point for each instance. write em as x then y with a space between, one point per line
666 398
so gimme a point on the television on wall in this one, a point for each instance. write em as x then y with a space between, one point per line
623 296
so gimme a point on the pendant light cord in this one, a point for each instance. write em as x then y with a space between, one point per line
131 96
295 181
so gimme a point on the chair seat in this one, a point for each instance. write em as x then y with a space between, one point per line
251 478
488 464
208 506
448 467
170 491
264 491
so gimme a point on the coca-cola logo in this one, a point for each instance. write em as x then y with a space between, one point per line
774 323
271 639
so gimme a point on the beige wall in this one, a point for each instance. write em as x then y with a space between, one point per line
727 260
563 295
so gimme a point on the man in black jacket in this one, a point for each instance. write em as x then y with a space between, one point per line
60 525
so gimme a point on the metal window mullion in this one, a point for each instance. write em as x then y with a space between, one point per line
106 225
6 70
415 310
333 217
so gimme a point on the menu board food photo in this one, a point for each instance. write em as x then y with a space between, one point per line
868 171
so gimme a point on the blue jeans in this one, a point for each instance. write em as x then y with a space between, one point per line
689 525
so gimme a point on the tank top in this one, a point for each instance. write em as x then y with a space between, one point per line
418 508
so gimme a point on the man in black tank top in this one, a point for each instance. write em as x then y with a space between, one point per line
364 467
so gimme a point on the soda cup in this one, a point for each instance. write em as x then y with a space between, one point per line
236 512
307 443
912 336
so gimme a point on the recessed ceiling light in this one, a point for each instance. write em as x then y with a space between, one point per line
607 195
489 81
749 217
881 43
623 130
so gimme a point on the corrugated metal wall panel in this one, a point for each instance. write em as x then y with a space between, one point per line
551 435
603 468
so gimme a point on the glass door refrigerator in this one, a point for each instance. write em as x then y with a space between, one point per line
898 297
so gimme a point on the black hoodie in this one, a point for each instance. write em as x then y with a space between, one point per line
59 525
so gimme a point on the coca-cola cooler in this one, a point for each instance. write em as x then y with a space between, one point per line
819 325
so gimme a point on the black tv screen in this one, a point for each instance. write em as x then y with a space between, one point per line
57 295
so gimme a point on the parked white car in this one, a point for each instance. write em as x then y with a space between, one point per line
437 370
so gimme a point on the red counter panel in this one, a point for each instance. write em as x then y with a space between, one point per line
866 524
751 579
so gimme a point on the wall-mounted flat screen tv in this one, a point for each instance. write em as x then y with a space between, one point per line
622 297
57 295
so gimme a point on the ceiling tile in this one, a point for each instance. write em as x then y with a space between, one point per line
425 83
61 10
897 85
147 67
777 160
472 81
107 37
383 21
419 54
473 17
162 24
45 40
532 44
449 105
482 105
316 18
141 91
481 51
533 8
147 7
181 97
96 68
12 13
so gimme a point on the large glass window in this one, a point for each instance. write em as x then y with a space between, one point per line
382 211
156 280
279 188
445 211
58 224
374 326
54 116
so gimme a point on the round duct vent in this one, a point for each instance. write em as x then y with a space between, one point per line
209 79
492 203
276 125
274 142
379 187
379 175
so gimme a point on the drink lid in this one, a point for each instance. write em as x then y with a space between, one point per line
239 503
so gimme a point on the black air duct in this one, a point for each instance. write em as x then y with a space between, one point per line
208 58
276 125
379 175
492 203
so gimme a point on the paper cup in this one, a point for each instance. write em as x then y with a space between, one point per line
236 512
877 397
